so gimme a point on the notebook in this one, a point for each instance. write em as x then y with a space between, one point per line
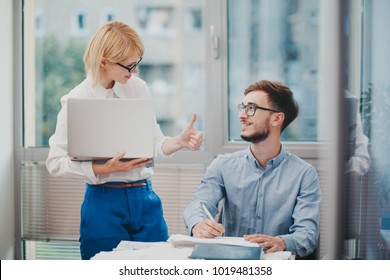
225 252
98 129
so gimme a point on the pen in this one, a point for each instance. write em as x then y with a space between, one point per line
207 211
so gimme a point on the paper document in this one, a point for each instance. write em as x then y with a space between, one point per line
185 240
128 250
135 245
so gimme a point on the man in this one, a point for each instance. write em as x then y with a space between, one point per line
270 196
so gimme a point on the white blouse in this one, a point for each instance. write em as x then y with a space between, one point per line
58 162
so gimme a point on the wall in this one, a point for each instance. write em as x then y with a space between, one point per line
7 134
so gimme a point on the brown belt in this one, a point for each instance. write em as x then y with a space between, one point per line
124 185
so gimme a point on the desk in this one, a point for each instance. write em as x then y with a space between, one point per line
128 250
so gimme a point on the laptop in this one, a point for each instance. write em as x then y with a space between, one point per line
98 129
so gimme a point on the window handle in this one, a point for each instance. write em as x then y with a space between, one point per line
214 42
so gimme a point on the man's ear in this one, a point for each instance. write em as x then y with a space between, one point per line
103 62
277 119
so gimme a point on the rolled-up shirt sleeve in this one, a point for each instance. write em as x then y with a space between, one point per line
58 162
304 231
210 192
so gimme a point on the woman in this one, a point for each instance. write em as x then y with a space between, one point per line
119 202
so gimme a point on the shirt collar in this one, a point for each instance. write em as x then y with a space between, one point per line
271 163
102 92
118 89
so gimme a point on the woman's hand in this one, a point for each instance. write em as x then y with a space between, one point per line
116 164
191 138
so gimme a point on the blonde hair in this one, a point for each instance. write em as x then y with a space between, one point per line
115 41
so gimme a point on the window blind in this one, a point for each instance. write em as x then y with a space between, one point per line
51 205
176 187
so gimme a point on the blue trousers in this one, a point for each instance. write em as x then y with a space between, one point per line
109 215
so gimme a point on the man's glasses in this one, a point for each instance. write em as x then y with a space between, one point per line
132 67
250 109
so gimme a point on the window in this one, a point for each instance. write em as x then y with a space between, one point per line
369 191
168 66
39 23
79 23
108 14
157 21
279 45
194 21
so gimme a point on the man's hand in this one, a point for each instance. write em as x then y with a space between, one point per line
270 244
208 229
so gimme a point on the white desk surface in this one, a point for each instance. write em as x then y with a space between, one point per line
128 250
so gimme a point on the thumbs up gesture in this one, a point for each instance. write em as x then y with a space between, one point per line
191 138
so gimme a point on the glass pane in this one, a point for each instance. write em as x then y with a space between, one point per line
274 40
173 65
367 192
51 250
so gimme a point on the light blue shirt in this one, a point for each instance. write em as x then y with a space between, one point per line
281 200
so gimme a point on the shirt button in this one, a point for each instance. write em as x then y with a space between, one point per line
261 195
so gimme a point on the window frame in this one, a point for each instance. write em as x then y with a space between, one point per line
217 85
216 136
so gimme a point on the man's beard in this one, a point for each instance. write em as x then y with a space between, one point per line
257 137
